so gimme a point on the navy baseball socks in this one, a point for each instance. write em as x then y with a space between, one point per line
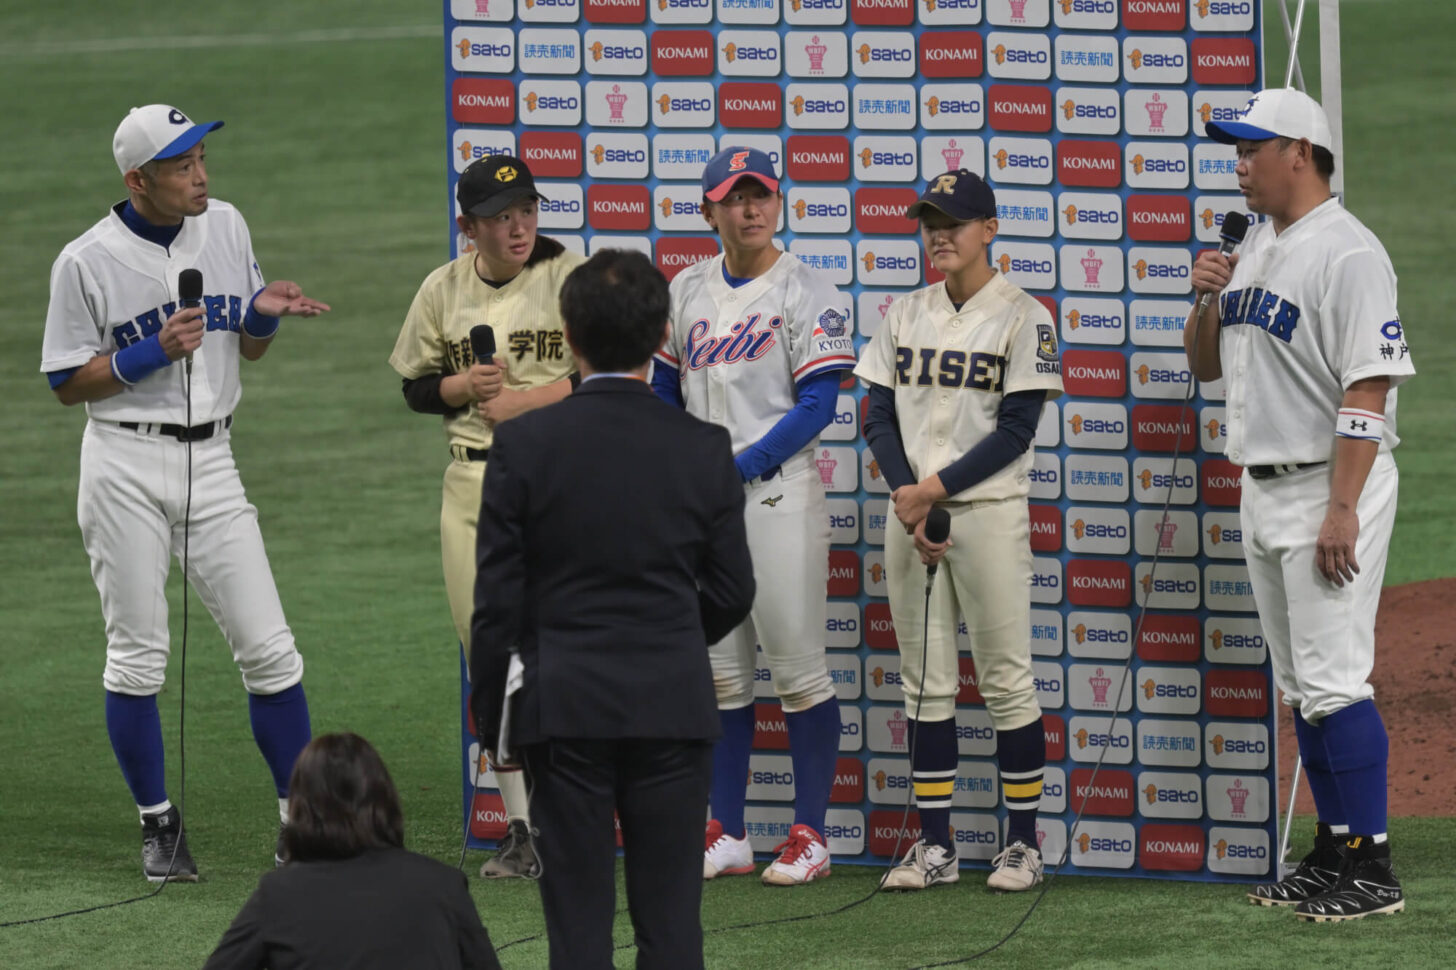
1021 757
1347 875
281 729
135 728
726 851
932 860
814 753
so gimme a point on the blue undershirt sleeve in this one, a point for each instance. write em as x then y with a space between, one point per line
59 377
813 409
666 383
1016 421
882 431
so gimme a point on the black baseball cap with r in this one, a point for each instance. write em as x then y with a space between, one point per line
961 194
490 184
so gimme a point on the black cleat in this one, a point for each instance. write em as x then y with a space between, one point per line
1315 874
1366 886
164 848
515 855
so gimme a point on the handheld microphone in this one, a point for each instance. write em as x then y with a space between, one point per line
1235 225
482 343
937 529
189 294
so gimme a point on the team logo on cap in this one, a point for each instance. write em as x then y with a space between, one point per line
176 117
505 174
738 162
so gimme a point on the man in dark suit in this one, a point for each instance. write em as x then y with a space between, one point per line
611 552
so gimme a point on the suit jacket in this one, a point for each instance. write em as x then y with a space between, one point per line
384 909
611 550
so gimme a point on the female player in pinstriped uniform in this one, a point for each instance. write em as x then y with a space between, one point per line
509 281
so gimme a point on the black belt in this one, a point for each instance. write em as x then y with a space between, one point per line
462 453
1262 472
198 432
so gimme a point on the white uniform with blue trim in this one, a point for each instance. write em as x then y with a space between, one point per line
1306 314
111 288
738 352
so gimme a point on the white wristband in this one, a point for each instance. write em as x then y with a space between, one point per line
1354 423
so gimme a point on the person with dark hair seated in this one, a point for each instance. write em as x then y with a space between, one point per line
351 895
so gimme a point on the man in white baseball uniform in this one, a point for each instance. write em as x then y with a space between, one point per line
958 374
757 344
1306 335
157 471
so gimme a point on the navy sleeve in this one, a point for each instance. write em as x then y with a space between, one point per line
422 394
812 410
666 383
1016 421
882 431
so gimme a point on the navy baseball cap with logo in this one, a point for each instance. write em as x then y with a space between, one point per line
734 163
153 132
490 184
961 194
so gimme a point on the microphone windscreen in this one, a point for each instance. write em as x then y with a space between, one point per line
189 287
482 342
1235 225
937 525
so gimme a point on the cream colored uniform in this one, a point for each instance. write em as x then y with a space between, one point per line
435 339
949 370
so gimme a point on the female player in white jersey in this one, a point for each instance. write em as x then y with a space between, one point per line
757 344
958 375
509 280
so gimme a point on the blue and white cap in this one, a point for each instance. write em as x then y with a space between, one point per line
155 131
1276 113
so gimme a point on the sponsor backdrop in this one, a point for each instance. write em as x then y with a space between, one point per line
1087 116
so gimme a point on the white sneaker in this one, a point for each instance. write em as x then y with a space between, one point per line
803 857
924 866
1017 868
724 855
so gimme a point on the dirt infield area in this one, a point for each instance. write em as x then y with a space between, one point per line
1415 686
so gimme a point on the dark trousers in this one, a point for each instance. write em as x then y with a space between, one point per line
659 790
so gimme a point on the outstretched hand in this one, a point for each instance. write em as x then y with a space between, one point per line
284 298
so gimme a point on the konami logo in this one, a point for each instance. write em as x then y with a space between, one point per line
487 816
1221 483
1099 582
1236 693
611 11
1046 520
1155 15
743 104
1171 848
1096 164
879 629
892 833
1110 793
882 210
1095 373
682 53
882 13
1169 637
770 730
849 781
1055 731
1224 60
843 573
483 101
623 208
552 154
1157 427
967 692
674 254
1015 107
951 54
1159 218
818 158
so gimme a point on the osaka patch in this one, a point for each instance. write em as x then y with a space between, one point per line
832 323
1046 342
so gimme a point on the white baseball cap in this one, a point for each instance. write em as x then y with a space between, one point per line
155 131
1276 113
